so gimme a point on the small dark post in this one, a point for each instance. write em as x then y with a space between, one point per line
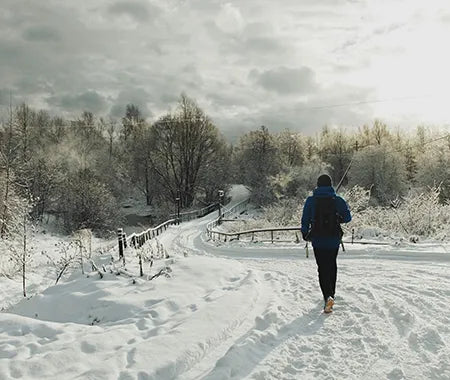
141 271
120 237
220 203
178 199
124 239
271 235
353 234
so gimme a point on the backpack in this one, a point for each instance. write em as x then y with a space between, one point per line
325 221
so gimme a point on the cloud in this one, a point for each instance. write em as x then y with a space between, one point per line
246 63
264 45
140 11
41 33
331 106
445 17
6 96
87 101
285 81
230 19
137 96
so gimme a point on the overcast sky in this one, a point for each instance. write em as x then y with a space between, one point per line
290 63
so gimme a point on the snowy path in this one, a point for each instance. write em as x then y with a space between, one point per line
388 321
231 312
380 329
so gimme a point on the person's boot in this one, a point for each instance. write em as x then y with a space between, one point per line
329 305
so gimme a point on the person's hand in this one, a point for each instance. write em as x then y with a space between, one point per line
305 236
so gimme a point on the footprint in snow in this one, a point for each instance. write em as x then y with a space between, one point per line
193 307
142 324
396 374
263 323
87 348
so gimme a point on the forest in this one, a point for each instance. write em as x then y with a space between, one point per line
77 173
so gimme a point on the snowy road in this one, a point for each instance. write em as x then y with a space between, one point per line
390 317
231 312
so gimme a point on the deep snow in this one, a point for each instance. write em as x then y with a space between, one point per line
233 311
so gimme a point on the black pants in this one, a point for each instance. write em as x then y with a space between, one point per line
327 268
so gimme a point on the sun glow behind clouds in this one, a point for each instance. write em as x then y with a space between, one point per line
410 65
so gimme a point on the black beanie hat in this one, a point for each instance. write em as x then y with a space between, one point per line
324 180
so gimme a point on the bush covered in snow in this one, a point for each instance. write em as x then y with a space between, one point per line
416 215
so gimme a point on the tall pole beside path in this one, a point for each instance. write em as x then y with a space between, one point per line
120 238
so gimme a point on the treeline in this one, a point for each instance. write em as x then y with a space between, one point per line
388 163
79 170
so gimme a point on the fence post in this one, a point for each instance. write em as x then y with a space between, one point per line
120 238
124 239
271 235
353 234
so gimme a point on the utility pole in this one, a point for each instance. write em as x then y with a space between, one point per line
178 199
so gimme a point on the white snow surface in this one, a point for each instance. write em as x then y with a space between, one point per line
234 312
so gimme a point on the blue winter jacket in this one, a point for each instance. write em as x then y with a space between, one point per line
329 242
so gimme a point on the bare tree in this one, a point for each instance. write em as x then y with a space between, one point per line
182 146
8 158
19 242
257 159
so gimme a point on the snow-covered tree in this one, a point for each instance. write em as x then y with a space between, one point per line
256 160
381 168
433 170
183 146
291 148
18 243
298 182
336 149
87 203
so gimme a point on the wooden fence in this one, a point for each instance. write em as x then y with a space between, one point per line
186 216
228 236
137 240
236 209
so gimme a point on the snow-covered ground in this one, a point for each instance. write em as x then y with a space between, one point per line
233 312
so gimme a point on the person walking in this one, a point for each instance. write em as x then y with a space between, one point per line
323 213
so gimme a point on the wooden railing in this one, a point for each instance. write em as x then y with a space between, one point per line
228 236
236 209
137 240
186 216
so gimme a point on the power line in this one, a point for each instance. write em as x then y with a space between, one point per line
364 102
